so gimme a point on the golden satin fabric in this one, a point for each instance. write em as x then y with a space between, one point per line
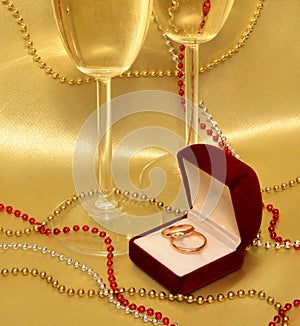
255 98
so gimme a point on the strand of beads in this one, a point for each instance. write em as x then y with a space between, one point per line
180 74
212 130
52 281
41 226
137 73
240 43
215 132
49 279
258 242
281 310
286 243
132 195
142 197
130 308
178 59
114 295
58 256
201 300
205 9
282 317
24 217
279 242
91 293
283 186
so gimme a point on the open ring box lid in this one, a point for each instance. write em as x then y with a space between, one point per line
225 206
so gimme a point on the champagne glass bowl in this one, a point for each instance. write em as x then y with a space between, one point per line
192 22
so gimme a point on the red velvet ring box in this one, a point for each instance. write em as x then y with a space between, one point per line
226 207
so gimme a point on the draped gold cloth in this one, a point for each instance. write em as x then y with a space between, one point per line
255 98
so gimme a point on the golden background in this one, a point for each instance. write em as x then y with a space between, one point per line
255 98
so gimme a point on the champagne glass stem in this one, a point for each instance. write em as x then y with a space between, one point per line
105 181
191 92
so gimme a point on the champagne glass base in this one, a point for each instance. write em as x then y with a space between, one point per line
105 206
129 218
86 242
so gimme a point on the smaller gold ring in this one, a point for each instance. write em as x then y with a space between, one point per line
177 231
187 250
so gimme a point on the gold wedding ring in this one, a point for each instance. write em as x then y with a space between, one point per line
188 250
177 232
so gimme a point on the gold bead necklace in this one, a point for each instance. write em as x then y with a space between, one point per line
126 195
153 294
92 293
283 186
110 294
52 281
62 78
152 73
71 81
103 292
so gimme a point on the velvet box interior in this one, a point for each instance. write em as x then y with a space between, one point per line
225 206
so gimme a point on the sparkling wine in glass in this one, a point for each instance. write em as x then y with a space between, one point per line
192 22
103 38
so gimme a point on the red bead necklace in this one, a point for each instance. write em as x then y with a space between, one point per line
283 311
147 314
205 9
272 228
180 74
202 125
180 83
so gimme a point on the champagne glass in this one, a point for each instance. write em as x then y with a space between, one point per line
103 38
189 22
192 22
